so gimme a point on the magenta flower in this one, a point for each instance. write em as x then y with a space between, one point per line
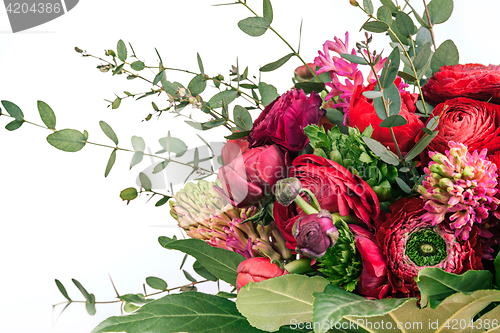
461 184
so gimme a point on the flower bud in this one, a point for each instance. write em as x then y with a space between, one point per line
287 190
314 234
256 270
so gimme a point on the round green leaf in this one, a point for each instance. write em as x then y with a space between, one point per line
368 6
128 194
376 26
137 65
197 85
13 110
445 55
394 121
109 132
254 26
138 143
405 24
67 140
242 118
122 50
384 14
145 181
13 125
47 115
267 10
439 11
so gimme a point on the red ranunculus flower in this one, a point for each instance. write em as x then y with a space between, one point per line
474 123
336 189
362 114
251 176
282 122
256 270
409 244
233 148
474 81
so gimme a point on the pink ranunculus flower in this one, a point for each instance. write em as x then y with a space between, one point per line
256 270
282 122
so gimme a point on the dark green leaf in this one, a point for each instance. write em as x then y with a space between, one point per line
47 115
428 107
420 146
242 118
109 132
277 64
111 162
334 303
13 125
268 11
162 201
67 140
435 284
496 264
368 6
379 150
189 276
62 290
254 26
248 86
185 312
226 96
90 305
394 121
226 294
376 26
197 85
403 185
219 262
268 93
237 135
384 14
13 110
354 58
309 87
427 131
389 4
203 272
422 56
138 143
407 76
393 98
158 77
156 283
136 158
137 65
160 166
439 11
82 290
405 24
445 55
122 50
118 69
135 298
390 70
200 64
128 194
145 181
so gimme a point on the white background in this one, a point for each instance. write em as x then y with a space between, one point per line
60 218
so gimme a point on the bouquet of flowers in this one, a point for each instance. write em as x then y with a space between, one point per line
363 199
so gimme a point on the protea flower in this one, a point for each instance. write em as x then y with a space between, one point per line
461 184
205 215
410 243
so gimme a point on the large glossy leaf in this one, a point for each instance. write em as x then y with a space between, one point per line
435 285
67 140
187 312
219 262
335 303
278 301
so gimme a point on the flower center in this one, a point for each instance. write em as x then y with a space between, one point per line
426 248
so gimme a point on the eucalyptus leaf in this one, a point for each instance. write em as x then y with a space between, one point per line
226 96
422 56
47 115
309 87
160 166
368 6
439 11
254 26
137 65
268 93
13 110
420 146
267 10
392 98
373 94
354 58
200 64
128 194
156 283
13 125
293 291
111 162
122 50
162 201
379 150
129 307
221 263
403 185
189 277
277 64
237 135
197 85
135 298
407 76
138 143
172 145
63 291
446 55
242 118
390 69
136 158
384 14
145 181
186 312
405 24
423 36
109 132
376 26
69 140
389 4
394 121
428 107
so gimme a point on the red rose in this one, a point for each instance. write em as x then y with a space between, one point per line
252 175
362 114
336 189
474 123
282 122
256 270
410 244
474 81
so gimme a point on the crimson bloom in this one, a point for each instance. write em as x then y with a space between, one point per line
282 122
336 189
314 234
362 114
474 81
251 176
256 270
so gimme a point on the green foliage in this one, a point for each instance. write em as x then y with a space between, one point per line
277 64
354 58
267 10
89 298
13 110
111 162
137 65
122 50
379 150
203 272
172 145
47 115
445 55
221 263
268 93
135 298
156 283
296 291
376 26
109 132
69 140
128 194
439 11
436 285
242 118
145 182
63 291
254 26
335 303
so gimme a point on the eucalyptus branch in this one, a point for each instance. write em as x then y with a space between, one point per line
296 53
148 295
430 25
